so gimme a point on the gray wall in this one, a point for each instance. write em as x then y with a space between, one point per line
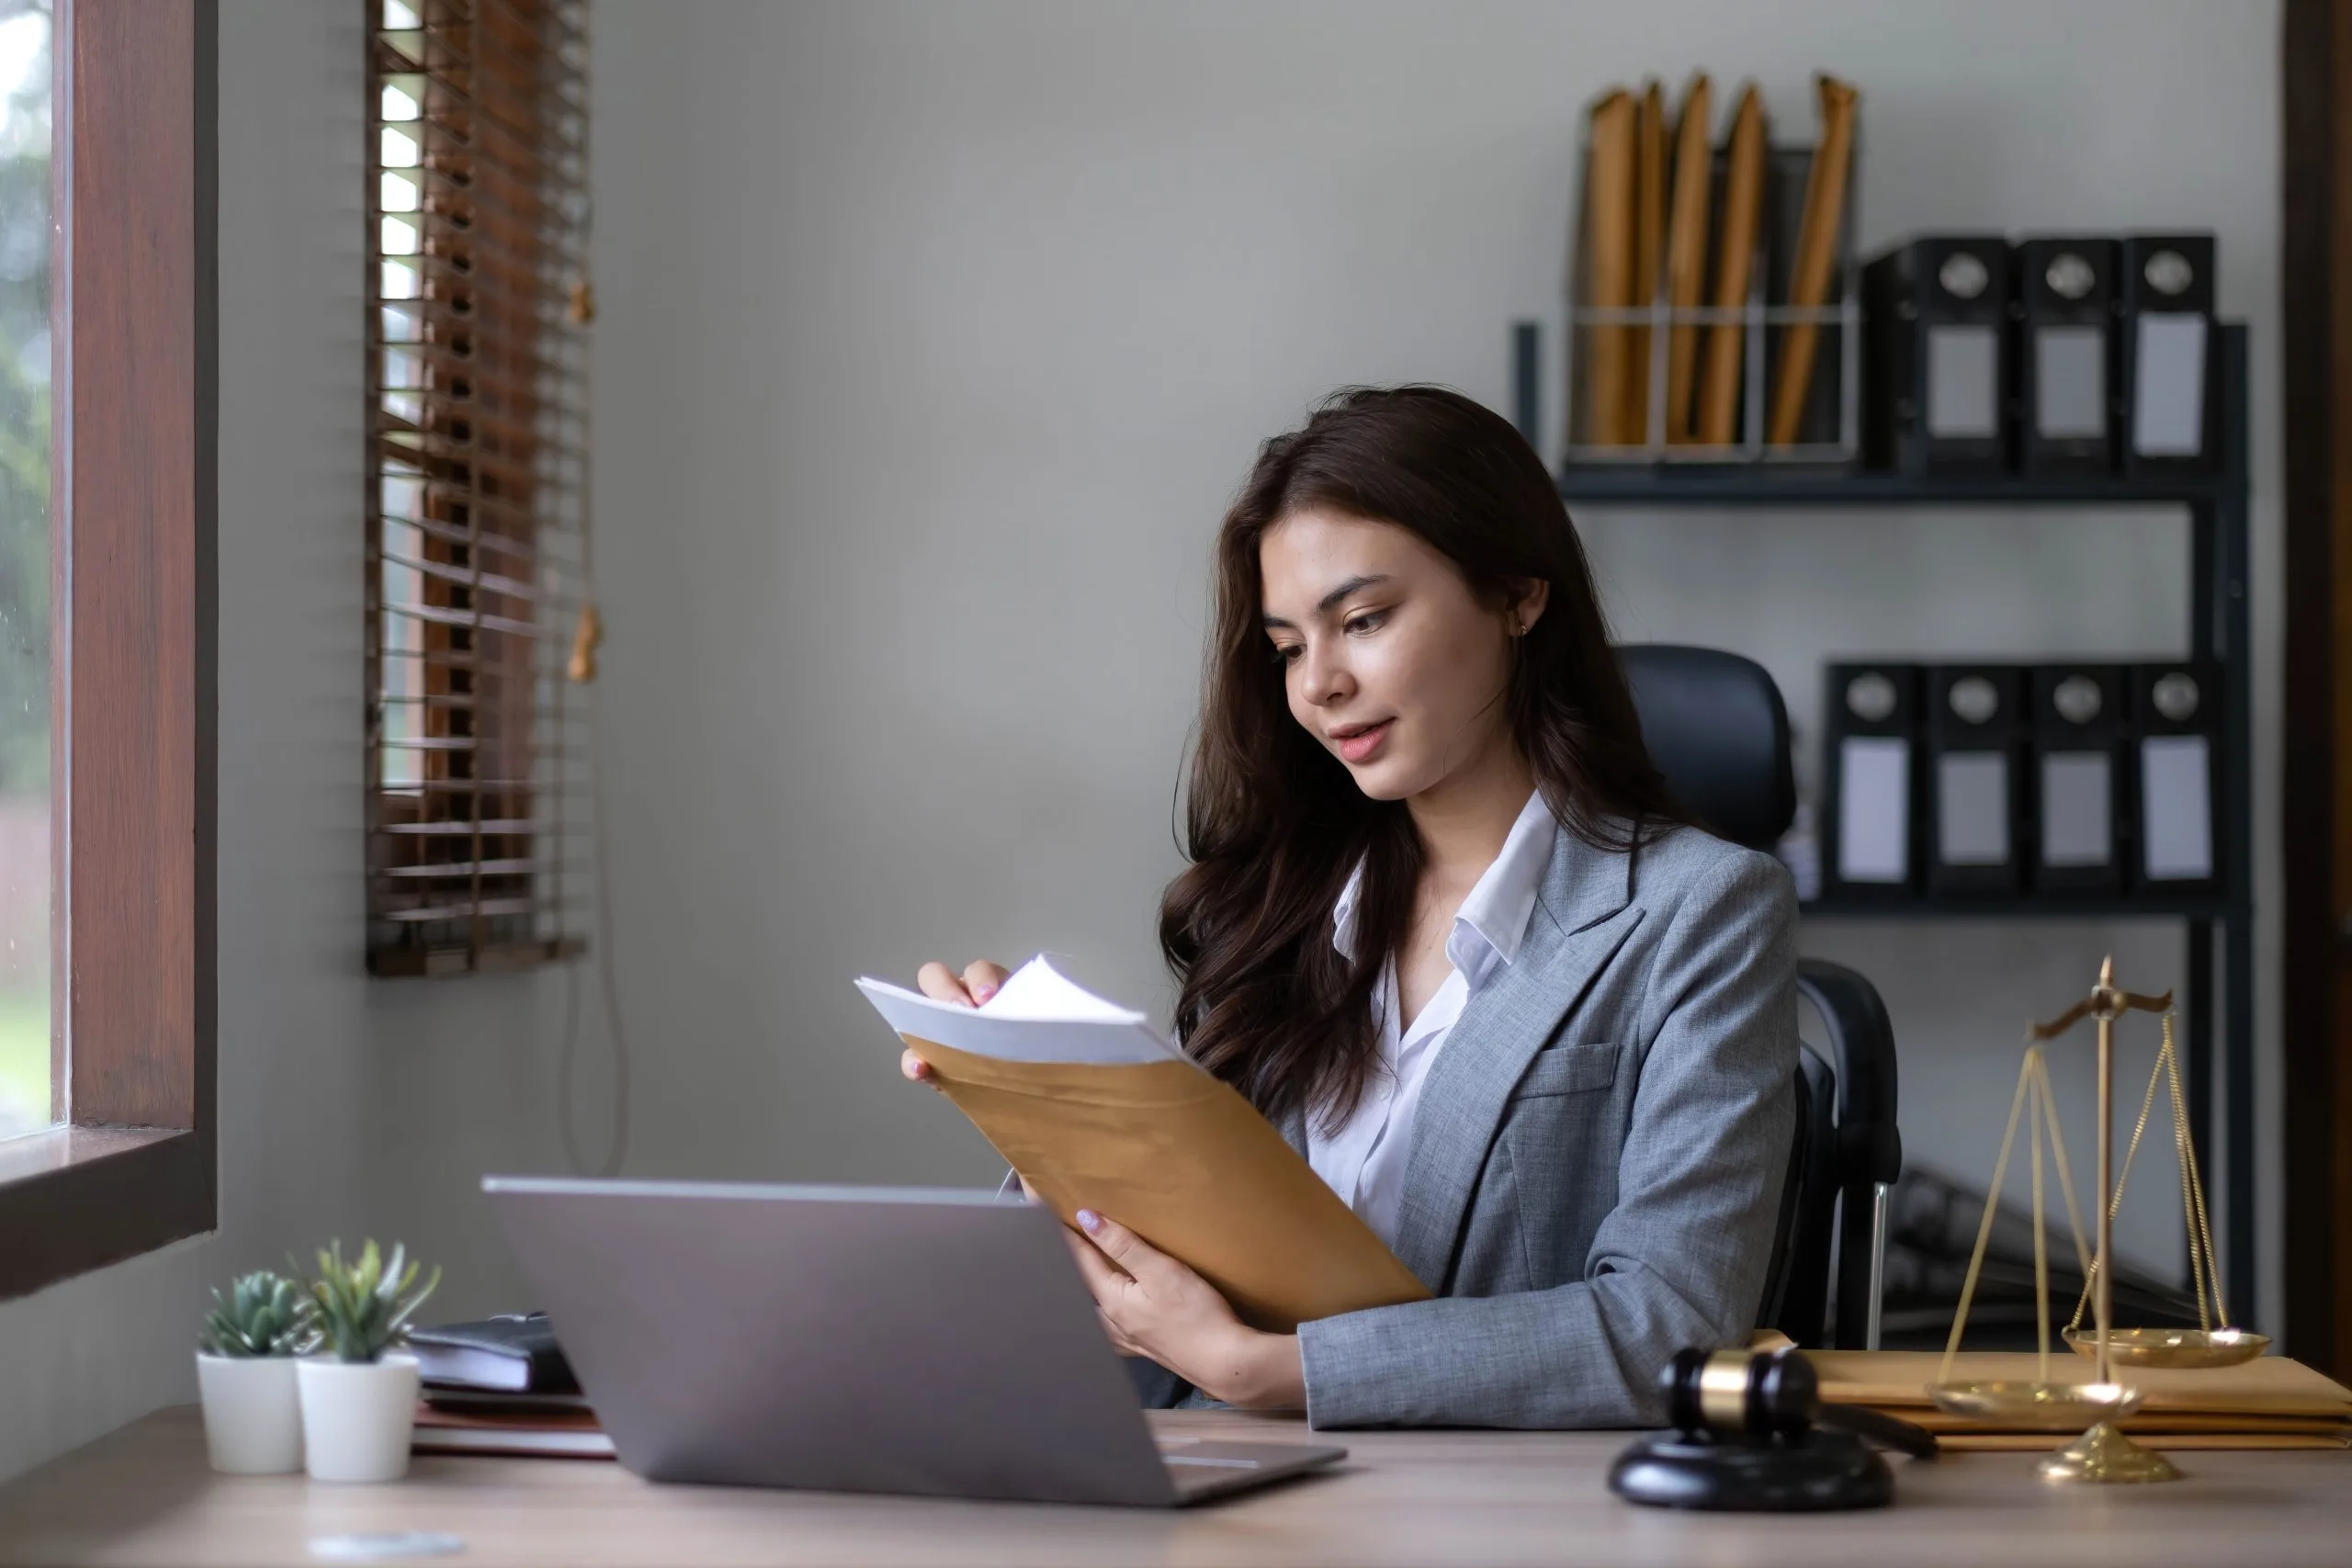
937 336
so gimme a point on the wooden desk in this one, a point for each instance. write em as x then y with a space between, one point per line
145 1495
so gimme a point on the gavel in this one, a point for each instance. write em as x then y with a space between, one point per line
1765 1394
1751 1433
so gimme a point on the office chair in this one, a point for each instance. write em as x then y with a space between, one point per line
1717 730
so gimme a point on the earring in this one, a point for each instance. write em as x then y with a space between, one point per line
1520 630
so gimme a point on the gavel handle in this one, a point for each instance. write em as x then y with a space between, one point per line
1891 1430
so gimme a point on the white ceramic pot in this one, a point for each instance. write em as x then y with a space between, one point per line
357 1416
253 1419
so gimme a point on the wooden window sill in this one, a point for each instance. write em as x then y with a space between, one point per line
75 1198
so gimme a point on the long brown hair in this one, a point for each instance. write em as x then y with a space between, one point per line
1275 824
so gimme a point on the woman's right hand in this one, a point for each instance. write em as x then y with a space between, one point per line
975 984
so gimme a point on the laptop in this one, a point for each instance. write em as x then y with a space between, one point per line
851 1338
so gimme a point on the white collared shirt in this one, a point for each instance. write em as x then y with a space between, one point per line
1363 1161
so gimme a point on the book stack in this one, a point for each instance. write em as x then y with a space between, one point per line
2272 1403
502 1385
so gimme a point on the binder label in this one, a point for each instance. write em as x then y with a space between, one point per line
1973 808
2175 806
2069 382
2168 386
1874 809
2077 814
1963 382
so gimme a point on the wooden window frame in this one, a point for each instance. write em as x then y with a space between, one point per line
134 607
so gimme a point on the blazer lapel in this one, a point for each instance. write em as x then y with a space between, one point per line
1584 914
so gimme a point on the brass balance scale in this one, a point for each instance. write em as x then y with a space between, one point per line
2102 1453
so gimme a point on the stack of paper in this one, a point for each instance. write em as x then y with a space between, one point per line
2272 1403
1097 1110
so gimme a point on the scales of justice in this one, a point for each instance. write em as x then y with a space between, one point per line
2102 1453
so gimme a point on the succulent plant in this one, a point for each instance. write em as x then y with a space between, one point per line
362 1307
263 1315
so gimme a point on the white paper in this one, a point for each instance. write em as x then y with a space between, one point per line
2069 382
1874 809
1037 1015
1973 808
2077 826
1963 382
2168 386
2175 807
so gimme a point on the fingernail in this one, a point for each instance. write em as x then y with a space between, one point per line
1089 1220
984 993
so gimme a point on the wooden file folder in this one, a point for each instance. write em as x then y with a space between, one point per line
2271 1386
1719 388
1181 1159
1609 225
1686 249
1649 241
1825 207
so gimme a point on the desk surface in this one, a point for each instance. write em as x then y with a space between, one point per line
145 1495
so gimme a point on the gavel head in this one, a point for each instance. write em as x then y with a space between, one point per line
1741 1393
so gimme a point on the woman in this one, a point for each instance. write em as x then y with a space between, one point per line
1445 928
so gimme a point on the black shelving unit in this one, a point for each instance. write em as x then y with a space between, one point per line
2217 506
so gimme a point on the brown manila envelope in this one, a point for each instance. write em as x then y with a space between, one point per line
1096 1110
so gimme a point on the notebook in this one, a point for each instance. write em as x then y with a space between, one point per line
512 1352
542 1434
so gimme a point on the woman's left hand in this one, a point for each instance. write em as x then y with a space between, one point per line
1152 1305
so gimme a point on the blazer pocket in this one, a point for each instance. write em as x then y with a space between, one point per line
1568 1069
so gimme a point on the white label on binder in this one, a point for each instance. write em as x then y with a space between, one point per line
1973 808
2069 382
2077 826
2168 386
1874 808
2175 807
1963 382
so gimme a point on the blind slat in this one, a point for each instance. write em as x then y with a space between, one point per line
477 389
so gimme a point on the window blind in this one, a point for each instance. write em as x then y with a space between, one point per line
477 632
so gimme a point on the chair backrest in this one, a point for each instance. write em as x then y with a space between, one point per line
1717 728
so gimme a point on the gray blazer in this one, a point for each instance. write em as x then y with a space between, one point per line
1597 1158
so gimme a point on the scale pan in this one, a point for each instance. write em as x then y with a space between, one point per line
2172 1347
2048 1406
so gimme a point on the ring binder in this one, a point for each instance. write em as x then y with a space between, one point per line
1975 730
2080 724
2173 421
2066 358
1934 373
1870 725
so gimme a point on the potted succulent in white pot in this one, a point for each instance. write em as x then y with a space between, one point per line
358 1394
244 1374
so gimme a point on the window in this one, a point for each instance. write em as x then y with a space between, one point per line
31 1091
477 493
129 639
